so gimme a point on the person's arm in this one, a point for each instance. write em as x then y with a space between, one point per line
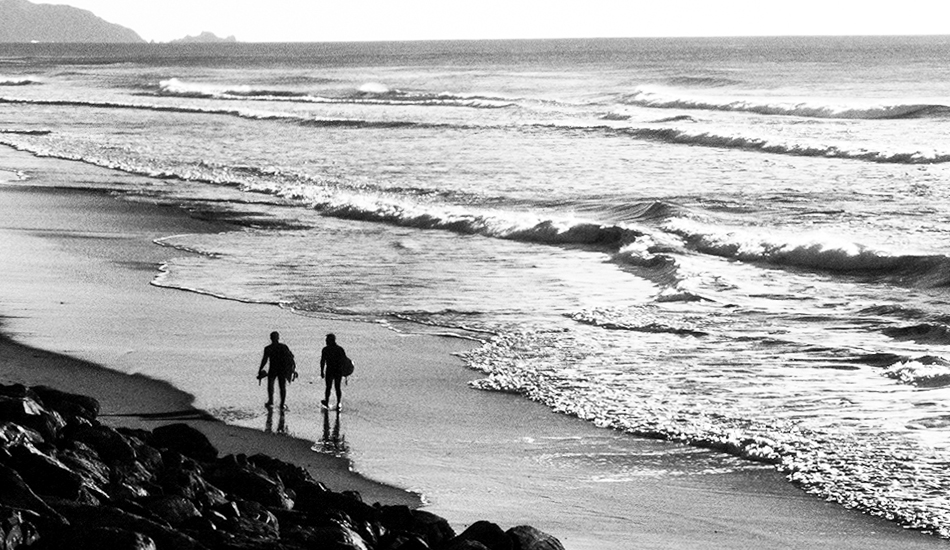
263 361
323 361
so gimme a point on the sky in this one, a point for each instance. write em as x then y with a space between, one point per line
361 20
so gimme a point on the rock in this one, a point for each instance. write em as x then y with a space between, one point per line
111 538
109 517
12 434
173 509
525 537
235 475
44 474
109 444
17 494
184 477
26 411
328 537
402 541
68 404
186 440
431 528
16 529
485 533
465 544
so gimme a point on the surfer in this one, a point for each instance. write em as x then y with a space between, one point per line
283 368
331 370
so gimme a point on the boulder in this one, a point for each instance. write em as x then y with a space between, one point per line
28 412
12 434
68 404
17 494
109 444
44 474
432 529
326 537
525 537
111 538
485 533
186 440
16 529
235 475
109 517
174 510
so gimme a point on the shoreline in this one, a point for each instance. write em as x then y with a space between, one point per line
747 506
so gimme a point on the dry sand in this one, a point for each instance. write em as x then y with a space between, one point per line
75 275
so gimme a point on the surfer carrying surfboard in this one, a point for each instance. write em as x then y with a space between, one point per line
283 368
332 364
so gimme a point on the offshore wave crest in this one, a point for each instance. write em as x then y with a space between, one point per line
815 252
763 145
369 93
18 81
924 372
671 100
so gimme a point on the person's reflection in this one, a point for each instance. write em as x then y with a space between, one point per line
281 422
332 441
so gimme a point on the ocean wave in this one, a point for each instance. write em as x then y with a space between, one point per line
923 372
671 100
702 81
750 143
600 320
923 333
812 252
370 93
21 81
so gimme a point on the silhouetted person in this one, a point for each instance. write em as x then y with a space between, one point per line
282 368
331 370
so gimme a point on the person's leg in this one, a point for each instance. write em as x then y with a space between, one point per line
339 397
270 391
326 394
282 382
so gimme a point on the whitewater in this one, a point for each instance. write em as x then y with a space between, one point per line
736 244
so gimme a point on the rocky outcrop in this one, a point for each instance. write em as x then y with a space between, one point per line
23 21
67 481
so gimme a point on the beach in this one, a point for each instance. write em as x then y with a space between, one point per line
79 313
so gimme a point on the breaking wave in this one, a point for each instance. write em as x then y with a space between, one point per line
370 93
924 372
748 143
659 100
814 253
25 81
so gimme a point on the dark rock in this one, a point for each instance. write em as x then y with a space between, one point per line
186 440
525 537
110 538
431 528
44 474
465 544
17 494
87 464
16 529
27 411
235 475
132 480
12 434
109 444
68 404
328 537
90 517
483 532
174 509
402 541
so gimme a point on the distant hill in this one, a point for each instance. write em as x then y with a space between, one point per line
203 38
23 21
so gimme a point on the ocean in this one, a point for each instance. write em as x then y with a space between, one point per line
737 244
